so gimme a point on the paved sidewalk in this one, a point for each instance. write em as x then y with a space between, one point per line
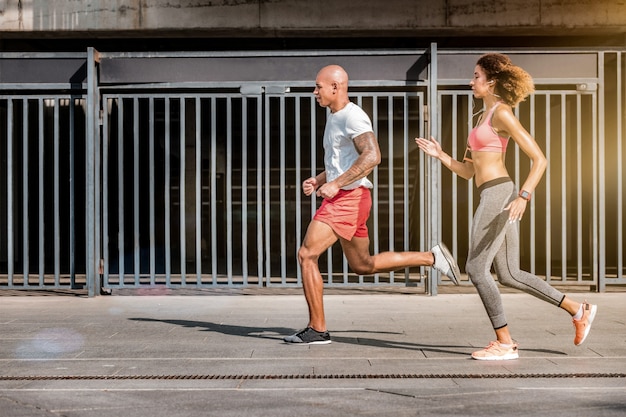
393 353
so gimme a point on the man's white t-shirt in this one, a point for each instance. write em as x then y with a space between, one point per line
339 150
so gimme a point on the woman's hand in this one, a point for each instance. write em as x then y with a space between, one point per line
430 147
516 209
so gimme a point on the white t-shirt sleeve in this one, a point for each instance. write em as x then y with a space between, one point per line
358 123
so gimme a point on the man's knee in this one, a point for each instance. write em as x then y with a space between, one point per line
363 268
306 255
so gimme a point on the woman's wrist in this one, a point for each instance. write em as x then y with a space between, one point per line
526 195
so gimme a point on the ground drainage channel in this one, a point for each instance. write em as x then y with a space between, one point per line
307 376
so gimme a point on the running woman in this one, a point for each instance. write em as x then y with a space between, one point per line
495 237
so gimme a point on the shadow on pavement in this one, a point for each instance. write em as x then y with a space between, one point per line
277 333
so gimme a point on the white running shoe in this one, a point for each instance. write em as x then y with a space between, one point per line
445 263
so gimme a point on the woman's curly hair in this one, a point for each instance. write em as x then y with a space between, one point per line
513 84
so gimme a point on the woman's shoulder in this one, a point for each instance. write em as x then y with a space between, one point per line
503 119
502 111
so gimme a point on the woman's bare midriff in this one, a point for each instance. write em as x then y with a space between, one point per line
488 166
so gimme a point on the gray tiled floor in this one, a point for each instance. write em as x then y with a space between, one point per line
393 353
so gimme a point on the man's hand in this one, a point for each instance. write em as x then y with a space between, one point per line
328 190
309 185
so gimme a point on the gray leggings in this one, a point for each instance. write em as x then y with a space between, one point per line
495 241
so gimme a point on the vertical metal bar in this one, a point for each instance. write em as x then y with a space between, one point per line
620 172
25 192
259 188
97 197
244 189
298 181
421 170
533 245
136 246
548 175
229 190
105 187
390 180
598 264
375 193
455 183
182 192
579 193
434 168
41 197
563 187
516 151
120 190
599 122
167 195
151 168
283 213
57 216
214 190
10 189
72 219
405 176
198 236
268 226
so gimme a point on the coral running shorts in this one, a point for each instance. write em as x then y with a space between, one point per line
347 212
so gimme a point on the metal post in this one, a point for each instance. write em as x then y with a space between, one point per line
434 172
601 233
92 111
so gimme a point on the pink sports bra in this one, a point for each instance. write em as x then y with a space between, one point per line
483 137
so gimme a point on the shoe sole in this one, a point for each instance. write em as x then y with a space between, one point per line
506 357
318 342
453 266
592 315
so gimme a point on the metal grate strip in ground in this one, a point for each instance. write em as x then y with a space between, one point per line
308 376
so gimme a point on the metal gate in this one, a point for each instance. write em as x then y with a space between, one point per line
182 181
152 175
203 189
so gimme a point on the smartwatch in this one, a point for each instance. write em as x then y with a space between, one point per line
525 195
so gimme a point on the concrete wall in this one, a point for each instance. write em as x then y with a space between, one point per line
271 18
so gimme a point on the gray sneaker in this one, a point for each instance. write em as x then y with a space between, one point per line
309 336
445 263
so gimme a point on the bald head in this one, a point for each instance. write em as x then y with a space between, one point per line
331 87
334 74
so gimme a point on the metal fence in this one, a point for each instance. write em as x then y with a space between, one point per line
40 189
197 184
204 189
